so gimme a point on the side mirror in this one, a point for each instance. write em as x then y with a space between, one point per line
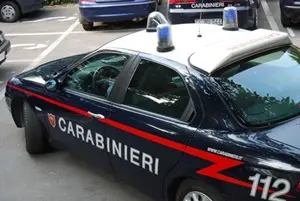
51 85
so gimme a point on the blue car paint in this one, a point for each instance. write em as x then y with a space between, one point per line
113 11
185 144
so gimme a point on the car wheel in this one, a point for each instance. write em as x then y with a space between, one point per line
255 20
192 190
35 133
9 11
285 21
88 26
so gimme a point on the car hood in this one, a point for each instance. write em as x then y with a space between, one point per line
45 71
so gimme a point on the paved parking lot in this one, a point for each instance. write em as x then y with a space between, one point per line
41 37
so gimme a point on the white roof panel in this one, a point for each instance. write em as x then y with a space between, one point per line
242 46
214 49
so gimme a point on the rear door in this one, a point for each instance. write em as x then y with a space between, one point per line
151 123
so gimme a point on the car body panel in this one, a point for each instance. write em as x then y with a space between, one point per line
113 11
31 5
290 9
141 132
189 12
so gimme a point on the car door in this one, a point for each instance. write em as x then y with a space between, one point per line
151 123
83 98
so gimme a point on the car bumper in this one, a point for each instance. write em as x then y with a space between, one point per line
245 17
108 12
291 11
4 49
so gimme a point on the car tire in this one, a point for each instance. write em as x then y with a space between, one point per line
35 133
9 11
255 20
88 26
285 21
188 187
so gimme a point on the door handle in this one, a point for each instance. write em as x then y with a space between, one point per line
97 116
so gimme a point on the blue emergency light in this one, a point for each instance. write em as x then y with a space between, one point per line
230 19
165 42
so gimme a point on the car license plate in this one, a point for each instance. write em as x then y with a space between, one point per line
218 21
2 56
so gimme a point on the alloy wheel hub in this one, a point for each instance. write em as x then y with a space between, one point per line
196 196
8 12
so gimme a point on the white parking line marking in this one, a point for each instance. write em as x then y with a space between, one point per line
35 62
22 45
34 34
51 47
67 19
45 19
269 15
44 34
1 82
18 60
38 46
291 32
31 46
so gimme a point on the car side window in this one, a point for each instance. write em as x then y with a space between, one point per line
158 89
96 75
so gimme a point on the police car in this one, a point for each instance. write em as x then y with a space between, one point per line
212 118
210 11
289 12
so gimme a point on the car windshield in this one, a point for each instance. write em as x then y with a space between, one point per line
264 89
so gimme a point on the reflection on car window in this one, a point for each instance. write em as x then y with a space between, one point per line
265 89
157 89
96 75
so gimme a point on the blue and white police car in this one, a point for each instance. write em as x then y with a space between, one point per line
214 117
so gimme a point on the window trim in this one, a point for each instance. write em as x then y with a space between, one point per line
132 56
190 108
240 121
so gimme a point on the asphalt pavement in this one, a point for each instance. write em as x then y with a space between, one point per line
43 36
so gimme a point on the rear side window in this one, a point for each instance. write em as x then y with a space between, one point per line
265 89
158 89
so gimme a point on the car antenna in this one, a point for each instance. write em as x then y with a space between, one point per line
199 29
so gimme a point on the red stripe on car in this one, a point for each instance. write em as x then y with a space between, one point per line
213 171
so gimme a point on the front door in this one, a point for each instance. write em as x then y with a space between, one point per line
150 126
83 99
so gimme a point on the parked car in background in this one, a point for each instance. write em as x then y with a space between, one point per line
4 47
211 11
290 12
114 10
12 10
